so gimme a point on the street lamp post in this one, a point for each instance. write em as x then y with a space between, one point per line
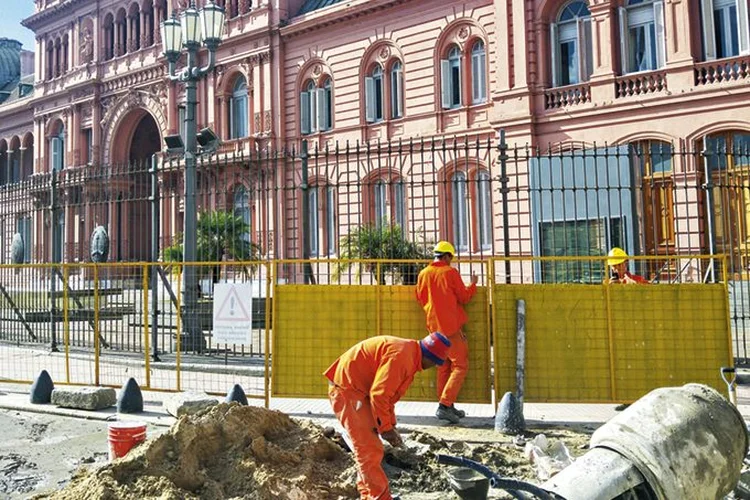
193 29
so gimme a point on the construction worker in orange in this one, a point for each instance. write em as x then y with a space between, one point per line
442 293
618 269
364 385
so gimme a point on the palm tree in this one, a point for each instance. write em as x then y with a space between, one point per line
382 241
219 234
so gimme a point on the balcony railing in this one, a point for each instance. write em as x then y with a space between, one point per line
725 70
243 145
640 84
562 97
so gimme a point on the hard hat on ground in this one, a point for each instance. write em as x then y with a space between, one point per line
617 256
435 347
444 247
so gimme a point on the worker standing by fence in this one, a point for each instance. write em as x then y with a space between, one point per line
365 384
618 267
441 293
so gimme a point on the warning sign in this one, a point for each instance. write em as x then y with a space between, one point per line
233 311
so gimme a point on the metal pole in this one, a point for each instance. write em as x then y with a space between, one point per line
194 340
154 255
55 259
708 187
503 148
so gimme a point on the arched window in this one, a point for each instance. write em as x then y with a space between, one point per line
387 200
642 38
242 208
725 28
572 55
316 107
450 72
468 195
109 37
397 90
478 73
57 150
374 95
238 109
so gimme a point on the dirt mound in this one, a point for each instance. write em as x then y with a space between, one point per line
231 451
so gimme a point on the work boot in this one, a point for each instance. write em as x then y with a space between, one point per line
460 413
446 413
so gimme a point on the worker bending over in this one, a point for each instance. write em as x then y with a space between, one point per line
441 293
365 384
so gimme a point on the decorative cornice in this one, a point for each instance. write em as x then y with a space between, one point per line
36 20
337 14
135 78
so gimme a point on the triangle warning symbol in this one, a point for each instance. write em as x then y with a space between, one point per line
232 309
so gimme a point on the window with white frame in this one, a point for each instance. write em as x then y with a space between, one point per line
313 234
322 220
460 211
242 208
483 207
57 151
570 40
316 107
238 109
450 76
725 28
397 90
478 73
642 37
374 95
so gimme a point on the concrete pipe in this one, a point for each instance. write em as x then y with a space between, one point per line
677 442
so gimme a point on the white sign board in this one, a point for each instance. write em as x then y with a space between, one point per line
233 313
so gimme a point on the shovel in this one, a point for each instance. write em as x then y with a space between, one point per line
729 376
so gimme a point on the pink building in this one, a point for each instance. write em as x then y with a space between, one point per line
400 102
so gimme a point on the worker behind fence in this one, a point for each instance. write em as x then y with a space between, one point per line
365 384
618 269
441 292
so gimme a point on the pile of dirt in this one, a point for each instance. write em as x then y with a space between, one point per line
230 451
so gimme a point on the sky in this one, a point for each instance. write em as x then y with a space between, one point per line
13 11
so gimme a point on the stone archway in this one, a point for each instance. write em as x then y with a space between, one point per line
124 117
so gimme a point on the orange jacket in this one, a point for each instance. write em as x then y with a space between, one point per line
441 292
382 368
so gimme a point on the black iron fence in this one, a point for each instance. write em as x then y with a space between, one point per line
395 200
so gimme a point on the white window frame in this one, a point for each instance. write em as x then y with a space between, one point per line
373 82
241 208
57 152
330 219
637 16
399 203
708 9
380 202
460 210
238 109
447 67
308 109
578 31
314 223
479 72
397 90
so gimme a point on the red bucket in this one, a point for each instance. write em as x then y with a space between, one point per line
123 436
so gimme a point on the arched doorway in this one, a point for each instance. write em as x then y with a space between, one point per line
135 140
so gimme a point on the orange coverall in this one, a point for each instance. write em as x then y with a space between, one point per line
366 382
441 292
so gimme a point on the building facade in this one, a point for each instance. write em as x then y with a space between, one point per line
400 103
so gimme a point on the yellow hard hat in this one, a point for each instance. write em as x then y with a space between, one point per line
444 247
617 256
